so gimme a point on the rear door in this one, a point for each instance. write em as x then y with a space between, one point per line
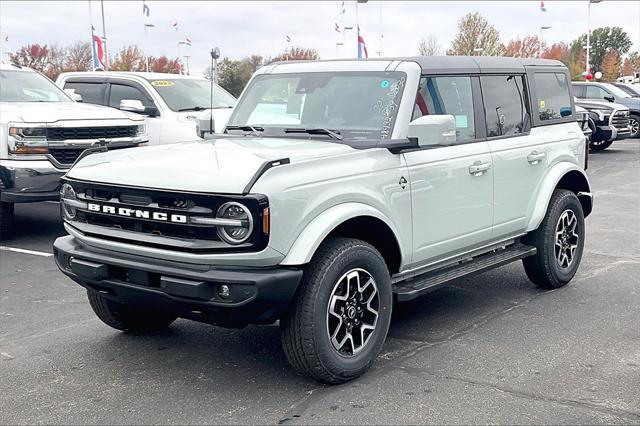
451 186
92 91
519 159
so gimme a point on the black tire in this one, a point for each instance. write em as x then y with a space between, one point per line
545 268
600 145
305 326
6 219
634 124
128 318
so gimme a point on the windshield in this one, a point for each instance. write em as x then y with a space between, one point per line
28 86
353 104
617 92
190 94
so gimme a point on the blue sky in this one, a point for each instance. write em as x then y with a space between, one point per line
241 28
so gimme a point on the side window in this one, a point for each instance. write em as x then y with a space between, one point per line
121 91
92 93
577 90
553 99
595 92
448 95
505 104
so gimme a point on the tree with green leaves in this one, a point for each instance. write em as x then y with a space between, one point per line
476 37
233 75
602 40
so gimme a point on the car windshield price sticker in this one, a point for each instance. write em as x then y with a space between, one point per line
162 83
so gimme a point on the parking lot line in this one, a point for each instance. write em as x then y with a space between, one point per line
19 250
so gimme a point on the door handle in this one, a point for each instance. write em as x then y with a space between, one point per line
479 168
535 157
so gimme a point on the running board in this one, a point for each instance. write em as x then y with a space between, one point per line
417 286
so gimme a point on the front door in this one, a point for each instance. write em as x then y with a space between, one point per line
451 187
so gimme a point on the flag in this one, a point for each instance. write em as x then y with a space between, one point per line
96 50
175 26
337 28
6 38
342 9
542 8
288 39
187 41
145 8
361 46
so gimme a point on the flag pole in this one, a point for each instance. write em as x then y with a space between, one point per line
93 52
104 39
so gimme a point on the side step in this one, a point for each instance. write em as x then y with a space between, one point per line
417 286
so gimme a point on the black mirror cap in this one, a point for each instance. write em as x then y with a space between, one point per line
151 111
610 98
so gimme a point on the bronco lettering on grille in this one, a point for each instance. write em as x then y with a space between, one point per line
137 213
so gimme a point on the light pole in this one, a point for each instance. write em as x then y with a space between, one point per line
588 46
544 27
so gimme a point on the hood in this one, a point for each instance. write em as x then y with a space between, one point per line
213 166
601 105
50 112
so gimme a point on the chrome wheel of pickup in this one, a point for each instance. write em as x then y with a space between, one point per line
567 239
352 314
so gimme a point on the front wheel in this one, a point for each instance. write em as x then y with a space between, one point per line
600 145
339 320
634 125
559 241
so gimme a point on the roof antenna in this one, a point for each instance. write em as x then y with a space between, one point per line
215 54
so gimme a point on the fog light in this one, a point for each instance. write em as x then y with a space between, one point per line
224 291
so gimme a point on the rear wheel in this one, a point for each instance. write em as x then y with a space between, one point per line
6 219
600 145
339 320
559 241
128 318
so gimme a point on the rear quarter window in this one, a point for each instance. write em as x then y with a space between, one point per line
553 98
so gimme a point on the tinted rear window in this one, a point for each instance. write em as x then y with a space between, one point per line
553 99
92 93
505 104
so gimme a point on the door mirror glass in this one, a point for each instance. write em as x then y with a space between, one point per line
77 97
565 111
132 105
433 130
610 98
205 124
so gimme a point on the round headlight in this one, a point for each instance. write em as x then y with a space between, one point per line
68 193
235 233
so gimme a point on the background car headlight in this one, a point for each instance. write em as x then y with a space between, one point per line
240 231
142 129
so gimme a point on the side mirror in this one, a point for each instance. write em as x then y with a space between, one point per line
433 130
77 97
565 111
205 124
610 98
132 105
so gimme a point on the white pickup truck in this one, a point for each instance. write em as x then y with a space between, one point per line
43 132
171 102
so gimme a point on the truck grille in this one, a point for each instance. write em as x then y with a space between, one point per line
620 120
162 234
66 156
105 132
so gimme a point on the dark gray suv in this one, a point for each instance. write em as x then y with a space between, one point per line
611 93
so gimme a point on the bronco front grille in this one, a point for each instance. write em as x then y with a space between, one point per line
89 133
162 234
620 120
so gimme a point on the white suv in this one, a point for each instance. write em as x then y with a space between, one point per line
43 131
171 102
339 186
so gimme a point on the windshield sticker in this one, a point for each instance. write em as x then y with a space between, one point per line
387 107
162 83
541 105
384 84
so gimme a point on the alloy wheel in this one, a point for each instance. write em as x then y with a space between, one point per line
566 238
352 313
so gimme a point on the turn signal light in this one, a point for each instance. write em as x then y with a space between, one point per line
265 221
21 149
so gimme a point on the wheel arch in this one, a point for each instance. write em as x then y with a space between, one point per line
562 176
352 220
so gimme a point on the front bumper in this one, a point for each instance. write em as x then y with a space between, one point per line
25 181
257 295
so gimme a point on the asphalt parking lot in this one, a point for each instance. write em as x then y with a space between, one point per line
488 349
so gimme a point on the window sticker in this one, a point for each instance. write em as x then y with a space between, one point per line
541 104
384 84
162 83
461 122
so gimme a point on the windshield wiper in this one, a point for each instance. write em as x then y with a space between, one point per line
193 108
333 134
255 130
